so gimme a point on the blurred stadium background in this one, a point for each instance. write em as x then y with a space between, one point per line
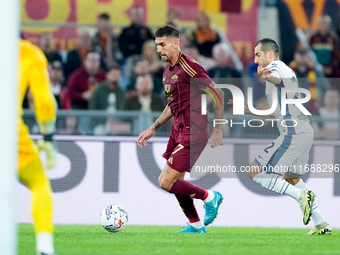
99 162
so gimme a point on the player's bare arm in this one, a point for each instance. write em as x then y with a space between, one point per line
217 136
165 116
147 134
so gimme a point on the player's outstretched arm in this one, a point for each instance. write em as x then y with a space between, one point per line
217 136
147 134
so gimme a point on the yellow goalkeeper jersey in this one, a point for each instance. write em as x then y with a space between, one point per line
33 72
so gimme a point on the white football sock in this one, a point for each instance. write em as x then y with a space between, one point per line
210 197
275 182
316 215
45 243
197 224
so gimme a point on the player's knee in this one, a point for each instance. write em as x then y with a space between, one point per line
160 180
164 184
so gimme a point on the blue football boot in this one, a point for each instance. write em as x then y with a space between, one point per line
211 208
191 229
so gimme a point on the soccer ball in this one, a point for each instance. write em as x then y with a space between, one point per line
114 218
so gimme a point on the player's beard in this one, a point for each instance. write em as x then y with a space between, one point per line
265 63
165 58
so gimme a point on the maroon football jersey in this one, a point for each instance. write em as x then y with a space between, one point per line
182 83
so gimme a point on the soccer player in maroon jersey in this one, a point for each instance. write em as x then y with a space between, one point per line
183 81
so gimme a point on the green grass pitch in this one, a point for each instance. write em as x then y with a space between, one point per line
91 240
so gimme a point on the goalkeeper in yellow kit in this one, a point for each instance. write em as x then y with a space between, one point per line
33 73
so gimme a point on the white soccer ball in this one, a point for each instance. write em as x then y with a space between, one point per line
114 218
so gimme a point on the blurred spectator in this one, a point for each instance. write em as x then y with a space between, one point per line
150 55
149 63
70 126
174 17
132 37
304 71
144 100
205 37
325 44
329 129
105 41
142 68
131 40
185 39
108 95
82 82
77 56
223 73
155 66
192 51
56 78
337 74
46 39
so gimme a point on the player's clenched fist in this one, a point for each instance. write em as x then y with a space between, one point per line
143 137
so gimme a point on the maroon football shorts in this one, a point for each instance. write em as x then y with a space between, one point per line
183 149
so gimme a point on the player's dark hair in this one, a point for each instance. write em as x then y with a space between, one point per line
104 16
268 44
168 31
